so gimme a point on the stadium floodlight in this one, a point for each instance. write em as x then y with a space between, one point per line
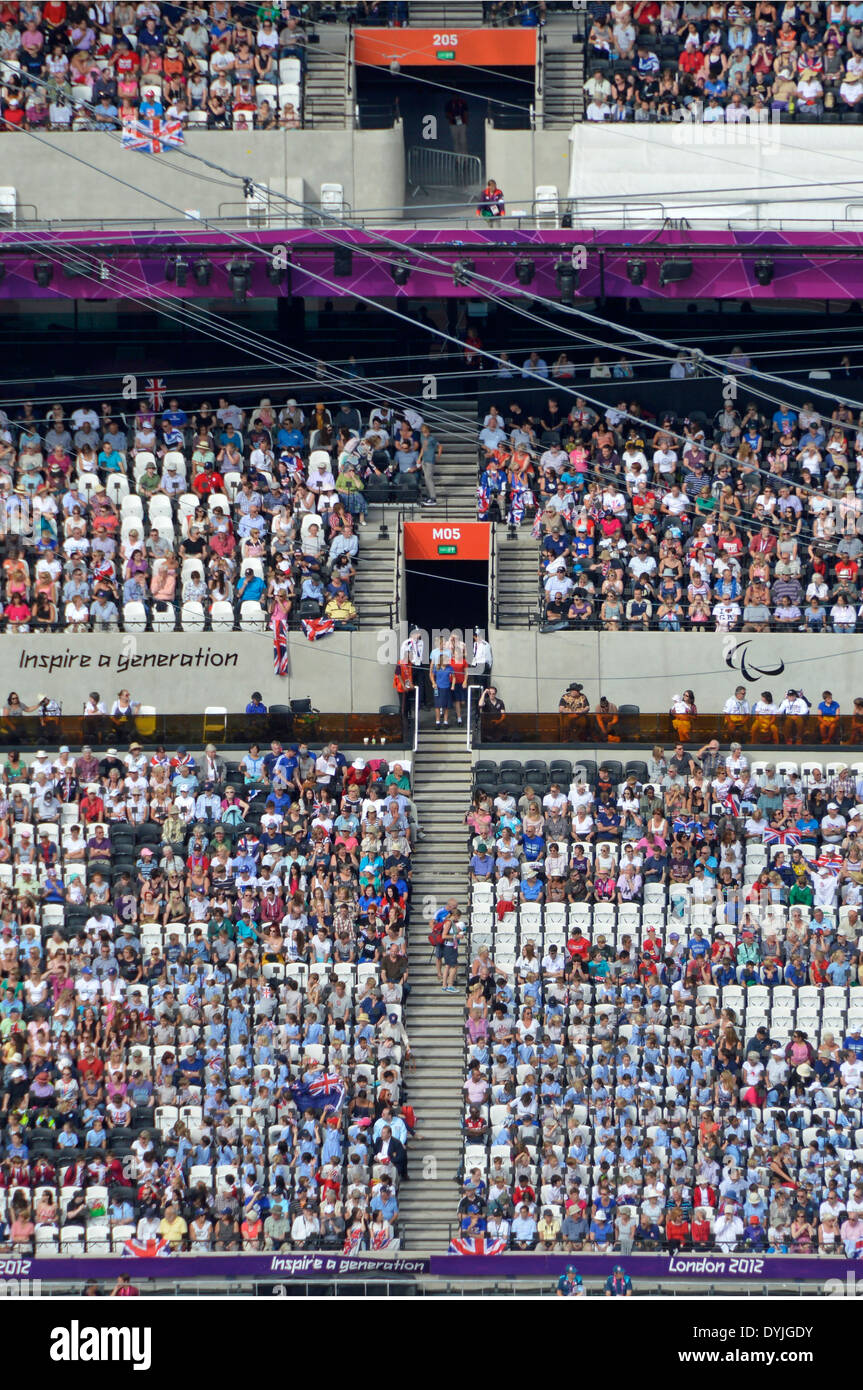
525 269
636 270
240 276
43 274
567 281
764 270
177 270
671 272
203 271
401 272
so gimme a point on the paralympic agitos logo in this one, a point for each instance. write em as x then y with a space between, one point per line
736 657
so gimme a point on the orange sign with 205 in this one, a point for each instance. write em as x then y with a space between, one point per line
455 540
418 48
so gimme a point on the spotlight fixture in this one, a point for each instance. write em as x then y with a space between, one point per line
764 270
343 261
567 280
524 270
177 270
202 271
276 273
395 65
566 221
636 269
43 274
73 268
673 271
240 276
461 272
401 272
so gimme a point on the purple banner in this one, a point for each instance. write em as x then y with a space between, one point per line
806 265
320 1264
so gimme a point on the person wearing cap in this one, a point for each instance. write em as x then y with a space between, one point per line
570 1284
618 1284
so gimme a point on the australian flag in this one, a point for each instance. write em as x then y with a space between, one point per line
476 1245
314 628
324 1092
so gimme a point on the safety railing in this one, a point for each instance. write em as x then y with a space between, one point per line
438 169
770 732
151 728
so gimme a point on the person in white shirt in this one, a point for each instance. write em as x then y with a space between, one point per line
737 704
825 887
726 616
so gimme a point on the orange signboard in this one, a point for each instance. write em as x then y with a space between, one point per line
447 540
423 48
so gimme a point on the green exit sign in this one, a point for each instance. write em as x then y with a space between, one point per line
446 55
447 550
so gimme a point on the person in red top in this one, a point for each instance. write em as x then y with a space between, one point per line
677 1230
124 1288
578 945
692 61
458 662
702 1235
54 13
208 481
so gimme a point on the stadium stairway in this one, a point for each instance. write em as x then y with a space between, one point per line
324 94
517 584
374 583
456 474
563 87
441 776
437 14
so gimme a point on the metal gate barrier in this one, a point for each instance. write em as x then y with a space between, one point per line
431 169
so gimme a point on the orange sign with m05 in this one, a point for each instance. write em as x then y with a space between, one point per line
447 540
421 48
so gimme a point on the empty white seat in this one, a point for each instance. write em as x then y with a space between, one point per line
192 616
134 617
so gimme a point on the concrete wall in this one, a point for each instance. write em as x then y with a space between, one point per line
368 163
532 669
181 673
521 160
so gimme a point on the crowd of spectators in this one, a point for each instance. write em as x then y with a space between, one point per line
218 517
717 62
217 66
748 521
183 938
663 1016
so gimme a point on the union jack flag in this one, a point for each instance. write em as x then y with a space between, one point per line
829 860
731 803
154 136
156 390
281 658
380 1240
147 1249
773 836
476 1245
354 1240
317 627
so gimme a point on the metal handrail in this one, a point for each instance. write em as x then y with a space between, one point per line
416 717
